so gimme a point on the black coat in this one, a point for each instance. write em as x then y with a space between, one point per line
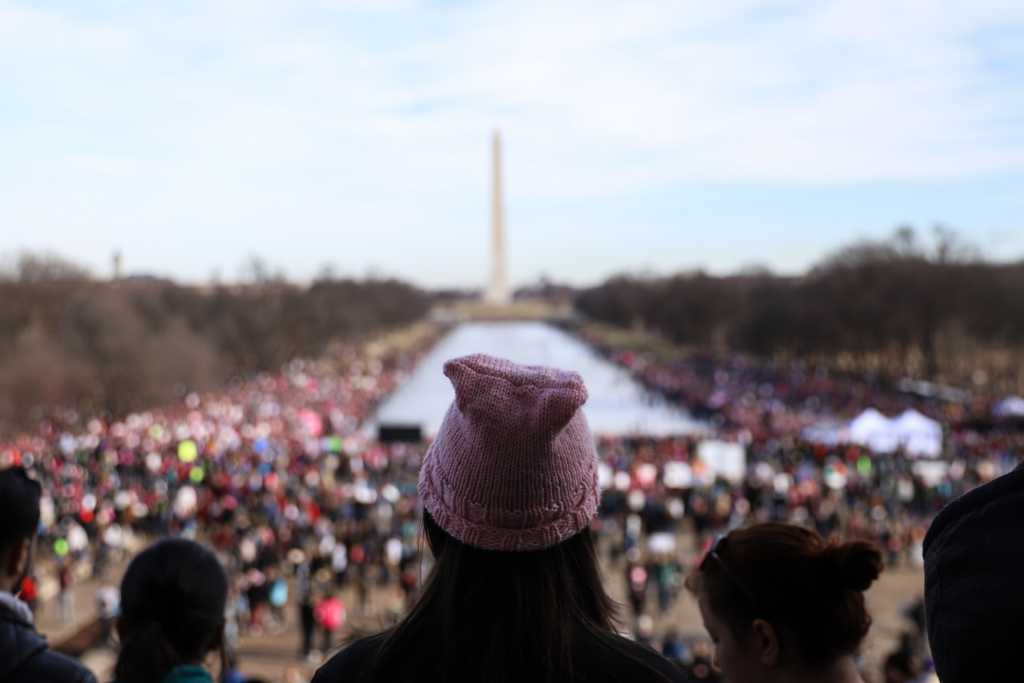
628 662
974 584
25 657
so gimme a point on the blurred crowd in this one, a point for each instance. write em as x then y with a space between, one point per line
274 473
842 490
304 506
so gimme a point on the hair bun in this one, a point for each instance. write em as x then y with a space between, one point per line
856 564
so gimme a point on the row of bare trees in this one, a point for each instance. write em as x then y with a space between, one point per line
107 347
934 307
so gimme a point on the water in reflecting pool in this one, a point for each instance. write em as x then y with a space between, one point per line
617 404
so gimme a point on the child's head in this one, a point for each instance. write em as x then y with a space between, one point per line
172 610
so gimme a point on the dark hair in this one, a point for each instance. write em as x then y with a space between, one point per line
172 610
19 507
810 589
501 616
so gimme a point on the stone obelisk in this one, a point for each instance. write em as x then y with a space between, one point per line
497 291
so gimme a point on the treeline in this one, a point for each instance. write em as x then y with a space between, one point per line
932 308
108 347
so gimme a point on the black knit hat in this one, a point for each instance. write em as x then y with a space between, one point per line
974 584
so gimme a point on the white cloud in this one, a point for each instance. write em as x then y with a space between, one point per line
243 116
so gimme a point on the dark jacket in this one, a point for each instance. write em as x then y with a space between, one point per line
627 662
974 584
25 657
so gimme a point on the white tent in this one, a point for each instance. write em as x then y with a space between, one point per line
918 434
874 430
915 433
1009 407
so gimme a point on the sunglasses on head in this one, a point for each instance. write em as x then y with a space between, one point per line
715 554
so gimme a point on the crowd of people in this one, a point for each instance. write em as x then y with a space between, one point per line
842 490
303 506
275 474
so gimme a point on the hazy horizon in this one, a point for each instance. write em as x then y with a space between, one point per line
241 274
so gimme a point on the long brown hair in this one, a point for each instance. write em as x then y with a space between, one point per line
502 616
810 589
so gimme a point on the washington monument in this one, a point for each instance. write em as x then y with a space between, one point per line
497 291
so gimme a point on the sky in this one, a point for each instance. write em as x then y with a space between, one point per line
640 136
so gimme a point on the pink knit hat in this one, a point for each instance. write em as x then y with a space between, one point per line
513 466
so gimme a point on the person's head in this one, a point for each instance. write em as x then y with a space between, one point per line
173 596
778 599
974 582
513 467
509 487
19 510
509 484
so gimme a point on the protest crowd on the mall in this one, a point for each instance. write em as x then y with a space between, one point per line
317 522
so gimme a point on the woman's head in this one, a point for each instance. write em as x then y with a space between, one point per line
172 609
513 466
777 597
509 487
